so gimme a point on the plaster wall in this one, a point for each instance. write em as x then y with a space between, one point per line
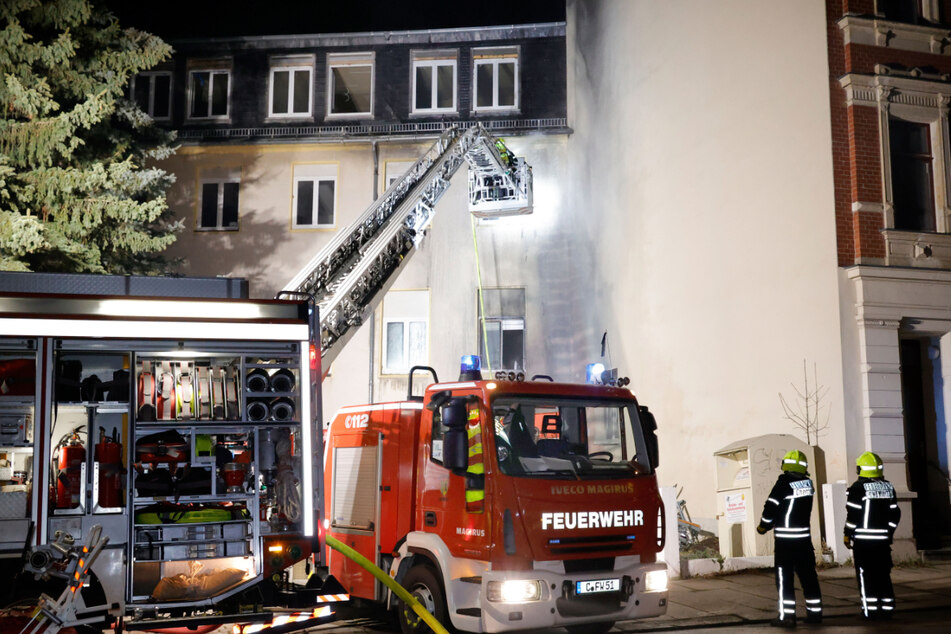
702 147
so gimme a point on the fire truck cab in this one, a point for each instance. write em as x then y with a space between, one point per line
502 504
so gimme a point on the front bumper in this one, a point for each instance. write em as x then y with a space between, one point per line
561 605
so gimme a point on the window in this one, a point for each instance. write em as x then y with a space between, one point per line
209 91
394 170
152 92
433 82
909 11
218 204
502 329
290 94
496 79
912 175
405 330
314 198
351 84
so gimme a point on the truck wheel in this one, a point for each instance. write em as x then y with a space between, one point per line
591 628
423 583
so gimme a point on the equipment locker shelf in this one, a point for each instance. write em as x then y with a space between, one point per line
229 461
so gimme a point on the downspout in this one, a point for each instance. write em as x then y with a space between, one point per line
376 194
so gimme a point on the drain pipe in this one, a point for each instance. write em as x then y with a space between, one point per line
376 194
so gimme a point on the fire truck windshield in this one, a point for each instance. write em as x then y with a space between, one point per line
543 437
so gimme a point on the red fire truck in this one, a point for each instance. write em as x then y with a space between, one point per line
501 504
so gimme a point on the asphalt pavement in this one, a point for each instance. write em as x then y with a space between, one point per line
747 600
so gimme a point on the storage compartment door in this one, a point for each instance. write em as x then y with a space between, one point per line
355 513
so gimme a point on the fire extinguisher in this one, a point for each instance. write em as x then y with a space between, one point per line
109 457
69 482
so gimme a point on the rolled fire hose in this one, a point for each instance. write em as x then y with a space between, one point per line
401 592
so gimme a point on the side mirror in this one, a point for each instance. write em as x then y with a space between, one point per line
454 415
456 451
649 425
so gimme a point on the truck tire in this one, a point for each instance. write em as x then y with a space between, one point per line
591 628
422 582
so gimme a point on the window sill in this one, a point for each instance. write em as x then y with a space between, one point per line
351 116
313 227
919 249
895 35
207 120
290 118
214 229
420 114
495 111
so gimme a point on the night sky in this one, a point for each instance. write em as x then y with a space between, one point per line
205 18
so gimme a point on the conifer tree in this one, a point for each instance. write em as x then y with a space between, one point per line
77 193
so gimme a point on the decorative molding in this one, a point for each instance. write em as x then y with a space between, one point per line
896 35
864 205
918 249
924 90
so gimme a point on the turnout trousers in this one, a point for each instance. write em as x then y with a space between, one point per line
873 571
796 556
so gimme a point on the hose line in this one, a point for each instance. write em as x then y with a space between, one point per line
397 589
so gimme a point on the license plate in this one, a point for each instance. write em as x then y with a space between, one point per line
597 585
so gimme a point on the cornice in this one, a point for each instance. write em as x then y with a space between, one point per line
896 35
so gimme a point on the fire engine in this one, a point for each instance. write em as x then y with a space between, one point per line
161 464
501 504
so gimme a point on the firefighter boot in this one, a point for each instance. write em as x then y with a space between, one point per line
789 622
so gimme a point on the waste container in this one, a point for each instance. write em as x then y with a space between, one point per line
746 471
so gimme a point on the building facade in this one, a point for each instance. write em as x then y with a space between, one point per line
726 194
890 87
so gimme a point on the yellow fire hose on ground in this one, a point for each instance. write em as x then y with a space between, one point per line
374 570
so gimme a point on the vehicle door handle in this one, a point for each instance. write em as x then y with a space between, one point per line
429 518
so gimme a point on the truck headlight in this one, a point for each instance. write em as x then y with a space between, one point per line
655 581
513 591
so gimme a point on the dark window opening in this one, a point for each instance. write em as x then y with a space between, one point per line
912 175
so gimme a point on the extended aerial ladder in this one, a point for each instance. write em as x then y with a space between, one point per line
350 275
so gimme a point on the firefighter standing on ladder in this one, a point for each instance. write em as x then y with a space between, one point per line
787 511
872 515
475 472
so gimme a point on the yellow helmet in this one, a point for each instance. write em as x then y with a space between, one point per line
869 465
795 461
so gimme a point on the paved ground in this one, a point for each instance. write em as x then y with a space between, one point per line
747 600
749 597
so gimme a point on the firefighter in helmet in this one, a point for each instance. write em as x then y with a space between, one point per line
872 515
787 512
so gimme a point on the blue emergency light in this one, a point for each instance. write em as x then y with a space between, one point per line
470 369
593 372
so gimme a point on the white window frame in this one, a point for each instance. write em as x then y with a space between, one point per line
220 181
291 65
212 68
404 306
494 57
338 60
316 173
511 320
151 75
433 60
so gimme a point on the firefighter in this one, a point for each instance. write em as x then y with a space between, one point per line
872 515
475 472
787 512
